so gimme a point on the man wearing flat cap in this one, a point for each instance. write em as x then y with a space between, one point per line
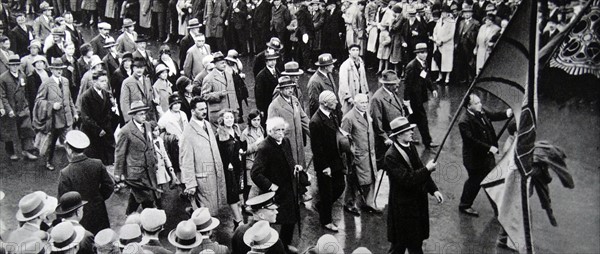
99 41
89 178
410 182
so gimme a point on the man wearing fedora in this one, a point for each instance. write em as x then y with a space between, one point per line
131 233
137 87
261 238
329 166
71 209
89 178
261 23
193 58
386 105
410 182
153 222
260 60
353 78
321 81
193 27
54 46
265 83
33 215
141 52
126 42
413 31
218 88
185 238
15 119
86 80
54 100
135 159
21 35
417 85
292 70
5 52
100 40
205 225
65 238
43 24
465 41
263 208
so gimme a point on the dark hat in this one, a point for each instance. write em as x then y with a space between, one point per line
164 49
262 201
4 38
57 63
331 2
292 69
69 202
270 54
325 59
446 9
127 56
400 125
14 60
137 106
275 43
467 7
141 39
389 77
355 45
193 23
412 11
173 99
218 56
128 23
454 6
397 8
285 81
139 62
420 47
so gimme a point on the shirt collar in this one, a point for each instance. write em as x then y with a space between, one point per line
326 112
139 125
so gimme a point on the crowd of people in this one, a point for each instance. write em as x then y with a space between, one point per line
151 121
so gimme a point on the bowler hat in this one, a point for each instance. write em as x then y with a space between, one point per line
69 202
185 235
260 236
203 220
389 77
325 59
77 139
137 106
292 68
400 125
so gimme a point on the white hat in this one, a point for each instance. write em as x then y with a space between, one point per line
261 236
35 204
65 236
204 222
153 219
77 139
328 244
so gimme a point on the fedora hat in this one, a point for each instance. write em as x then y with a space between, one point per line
270 54
262 201
130 233
389 77
14 60
109 42
285 81
193 23
420 47
44 6
32 245
137 106
95 60
57 63
173 99
104 25
328 244
232 55
65 236
69 201
160 68
325 59
203 221
217 56
185 235
153 219
58 31
35 204
261 236
77 139
412 11
399 125
275 43
141 39
106 239
292 68
127 23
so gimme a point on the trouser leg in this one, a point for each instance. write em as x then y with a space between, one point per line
419 117
287 234
132 205
9 147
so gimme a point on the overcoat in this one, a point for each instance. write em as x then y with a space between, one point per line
19 39
416 87
215 13
318 18
88 177
318 83
478 135
145 19
34 81
125 43
213 84
162 90
13 98
98 45
201 165
170 121
298 121
274 164
408 207
363 139
42 27
384 108
264 85
324 143
50 92
397 40
486 32
443 34
352 81
136 160
97 116
135 90
192 65
111 64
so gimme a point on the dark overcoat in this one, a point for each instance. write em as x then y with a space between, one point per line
478 135
13 98
265 83
34 81
19 40
324 144
97 116
88 177
316 85
416 86
384 108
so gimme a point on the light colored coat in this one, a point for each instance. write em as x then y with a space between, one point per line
363 138
201 165
163 163
193 60
215 13
351 81
125 43
49 93
42 27
483 38
443 34
298 121
145 13
134 90
169 121
162 90
213 84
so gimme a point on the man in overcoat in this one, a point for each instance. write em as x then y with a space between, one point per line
200 161
135 158
193 58
215 14
465 41
321 81
43 24
353 78
193 27
21 35
410 181
99 41
88 177
333 31
324 127
274 170
480 144
265 83
261 21
237 26
15 120
137 87
218 89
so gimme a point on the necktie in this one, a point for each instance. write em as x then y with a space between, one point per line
204 127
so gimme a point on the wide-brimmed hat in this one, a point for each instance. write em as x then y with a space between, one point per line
285 81
328 244
160 68
69 202
109 42
95 60
260 236
35 43
104 25
400 125
44 6
127 23
39 58
185 235
14 60
77 139
292 68
65 236
389 77
193 23
131 233
270 54
275 43
325 59
58 31
57 63
420 47
217 56
35 204
153 219
232 55
137 106
262 201
106 239
141 39
204 222
173 99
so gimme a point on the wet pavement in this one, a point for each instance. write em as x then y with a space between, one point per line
573 126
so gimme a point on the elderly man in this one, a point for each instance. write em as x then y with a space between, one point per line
193 27
208 67
321 81
324 127
54 98
218 89
275 170
193 58
137 87
353 78
15 120
410 181
200 161
386 105
135 159
362 174
143 53
99 41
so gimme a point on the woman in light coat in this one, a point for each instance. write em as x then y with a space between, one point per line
162 89
184 10
486 32
443 38
385 41
252 136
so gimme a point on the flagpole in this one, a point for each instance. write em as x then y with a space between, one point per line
454 118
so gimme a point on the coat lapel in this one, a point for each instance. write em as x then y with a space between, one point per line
194 124
392 101
137 132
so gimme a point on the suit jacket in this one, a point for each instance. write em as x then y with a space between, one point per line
50 92
135 90
363 139
193 60
478 135
262 17
97 116
324 144
265 83
280 18
111 64
215 14
352 80
125 43
19 39
237 20
4 61
384 108
294 115
148 59
316 85
13 99
186 43
410 39
88 177
467 34
136 160
98 45
416 86
42 27
213 84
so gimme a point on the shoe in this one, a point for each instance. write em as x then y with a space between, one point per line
331 227
292 249
469 211
29 155
14 157
352 210
49 166
372 210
